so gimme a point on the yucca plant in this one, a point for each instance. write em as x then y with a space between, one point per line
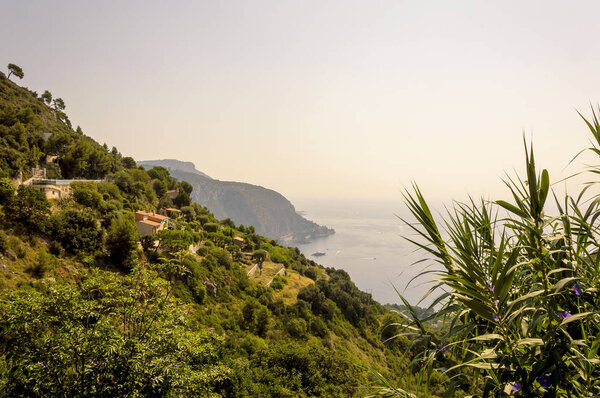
517 288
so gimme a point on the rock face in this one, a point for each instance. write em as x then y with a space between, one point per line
270 213
211 288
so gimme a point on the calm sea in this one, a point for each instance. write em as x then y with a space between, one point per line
368 244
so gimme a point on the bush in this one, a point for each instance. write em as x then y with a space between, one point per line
210 227
121 242
278 283
199 292
202 251
87 197
4 245
77 231
55 248
297 328
29 208
20 252
319 328
7 190
280 255
132 340
311 273
255 317
45 262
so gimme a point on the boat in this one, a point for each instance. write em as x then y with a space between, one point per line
318 254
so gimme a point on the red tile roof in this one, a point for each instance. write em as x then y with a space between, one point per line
152 216
148 222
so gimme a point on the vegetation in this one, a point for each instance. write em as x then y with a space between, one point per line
15 70
518 292
90 308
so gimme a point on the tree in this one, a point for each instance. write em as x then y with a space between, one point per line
211 227
182 199
128 162
77 231
30 208
121 242
15 70
159 173
59 104
7 190
160 187
259 256
187 187
46 97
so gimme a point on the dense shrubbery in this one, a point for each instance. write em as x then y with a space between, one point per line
76 231
104 336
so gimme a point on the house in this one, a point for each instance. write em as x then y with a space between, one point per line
149 223
53 189
172 193
238 241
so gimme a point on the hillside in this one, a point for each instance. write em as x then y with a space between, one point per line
117 289
269 212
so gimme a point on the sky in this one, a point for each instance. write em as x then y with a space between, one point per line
317 99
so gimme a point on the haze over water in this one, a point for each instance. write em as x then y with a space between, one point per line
368 245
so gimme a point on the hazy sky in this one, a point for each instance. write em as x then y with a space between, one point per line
320 99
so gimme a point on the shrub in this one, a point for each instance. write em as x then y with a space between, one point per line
77 231
87 197
319 328
202 251
4 245
210 227
121 242
7 190
132 340
311 273
29 208
199 292
55 248
280 255
297 328
45 262
278 283
20 252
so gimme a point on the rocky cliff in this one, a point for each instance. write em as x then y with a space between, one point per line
270 213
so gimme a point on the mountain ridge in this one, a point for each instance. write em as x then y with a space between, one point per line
271 213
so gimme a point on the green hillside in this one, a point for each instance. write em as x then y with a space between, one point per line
90 308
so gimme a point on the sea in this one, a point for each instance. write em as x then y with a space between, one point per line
369 245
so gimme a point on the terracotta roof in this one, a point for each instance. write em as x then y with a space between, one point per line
172 209
148 222
151 215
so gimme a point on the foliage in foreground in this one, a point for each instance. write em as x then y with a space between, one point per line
104 336
519 293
